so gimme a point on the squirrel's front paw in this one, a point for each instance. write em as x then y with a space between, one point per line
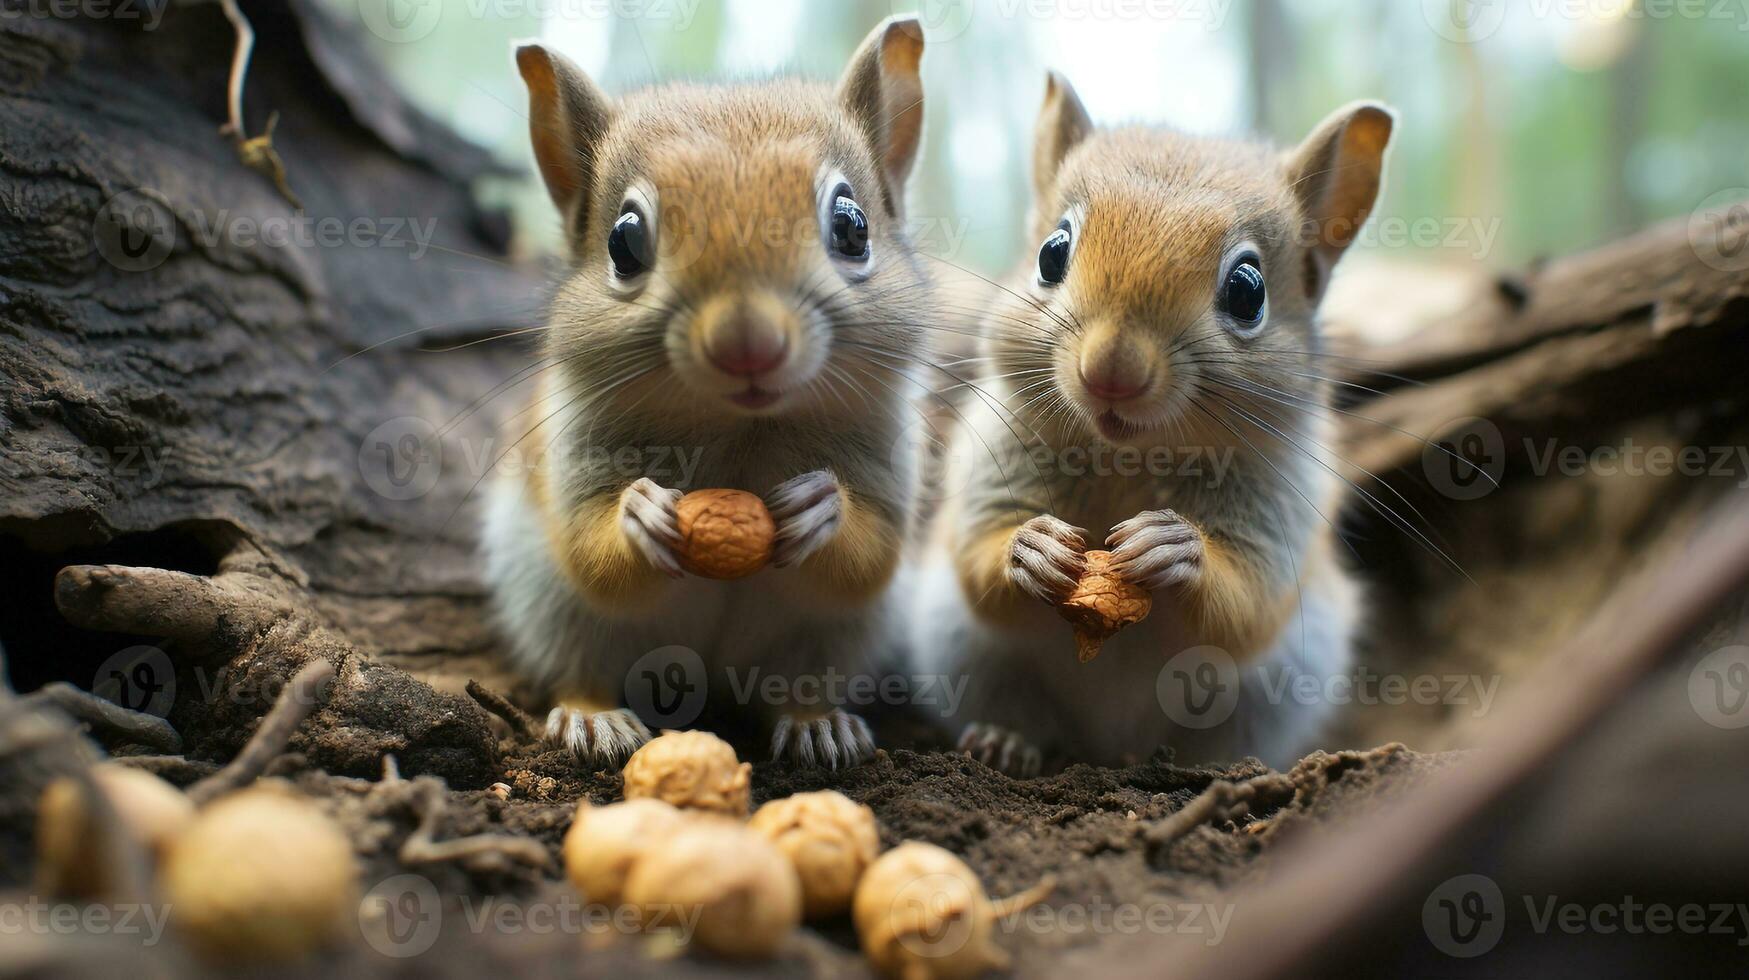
837 740
1045 558
646 516
807 511
1156 549
1005 751
598 738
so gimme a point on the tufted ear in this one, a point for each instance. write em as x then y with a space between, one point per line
1336 175
567 117
882 90
1062 123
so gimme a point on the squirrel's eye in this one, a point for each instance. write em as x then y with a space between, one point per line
1243 295
848 226
628 245
1053 256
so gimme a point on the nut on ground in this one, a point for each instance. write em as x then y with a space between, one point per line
691 770
829 838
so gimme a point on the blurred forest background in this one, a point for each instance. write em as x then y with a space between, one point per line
1528 127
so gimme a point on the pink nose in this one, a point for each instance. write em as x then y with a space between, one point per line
747 352
1113 388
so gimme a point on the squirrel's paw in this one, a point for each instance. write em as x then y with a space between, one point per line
807 511
1001 749
1156 549
1045 558
837 740
646 516
601 738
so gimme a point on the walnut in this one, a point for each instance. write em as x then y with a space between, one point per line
830 839
691 770
921 914
1102 604
730 886
605 841
262 874
724 534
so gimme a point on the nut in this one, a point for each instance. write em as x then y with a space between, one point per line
732 887
261 874
1102 604
921 914
692 770
147 808
605 841
724 534
830 840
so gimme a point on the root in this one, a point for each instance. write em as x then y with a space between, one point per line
479 853
520 721
116 723
296 702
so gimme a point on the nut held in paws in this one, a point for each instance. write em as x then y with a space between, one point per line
1102 604
724 534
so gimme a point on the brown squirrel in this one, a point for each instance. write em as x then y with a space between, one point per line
740 285
1167 312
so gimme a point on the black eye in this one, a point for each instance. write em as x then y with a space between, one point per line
1243 296
848 226
628 245
1053 256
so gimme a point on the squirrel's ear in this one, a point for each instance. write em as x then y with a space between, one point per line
883 91
1336 174
1062 123
567 116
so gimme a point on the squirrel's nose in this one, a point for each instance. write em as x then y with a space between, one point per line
746 348
1113 386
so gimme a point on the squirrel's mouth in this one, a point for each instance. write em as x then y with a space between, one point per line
1115 427
755 397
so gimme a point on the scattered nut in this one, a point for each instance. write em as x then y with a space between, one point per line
499 790
694 770
830 840
735 889
261 874
724 534
921 914
149 809
1102 604
605 841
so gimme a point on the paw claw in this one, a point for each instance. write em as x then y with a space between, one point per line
1157 549
808 511
834 741
647 517
1045 558
602 738
1005 751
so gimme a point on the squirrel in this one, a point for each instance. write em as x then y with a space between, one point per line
1165 324
739 285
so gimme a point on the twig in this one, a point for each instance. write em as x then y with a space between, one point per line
482 852
295 703
239 67
111 718
1221 801
520 721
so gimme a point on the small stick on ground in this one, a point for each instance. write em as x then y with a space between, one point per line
116 723
1221 801
295 703
482 852
520 721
